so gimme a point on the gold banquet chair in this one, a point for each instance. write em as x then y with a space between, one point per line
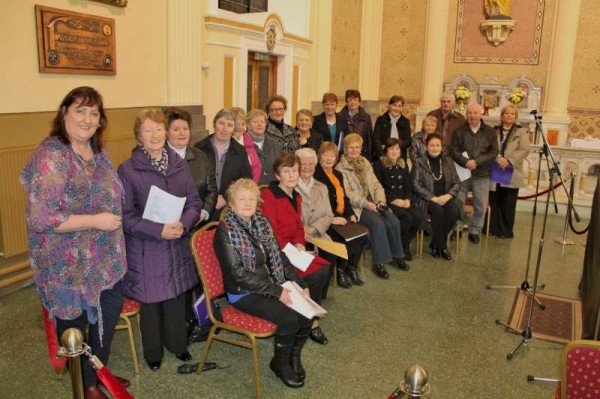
234 320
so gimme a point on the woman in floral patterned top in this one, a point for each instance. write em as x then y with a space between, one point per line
76 243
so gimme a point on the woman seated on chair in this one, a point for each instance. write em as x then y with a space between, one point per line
436 185
341 207
368 201
393 174
253 270
282 205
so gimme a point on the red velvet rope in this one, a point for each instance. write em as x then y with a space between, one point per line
112 384
58 363
540 193
570 219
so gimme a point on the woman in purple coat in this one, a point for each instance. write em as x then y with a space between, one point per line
160 263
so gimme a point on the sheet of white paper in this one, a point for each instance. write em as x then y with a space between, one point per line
163 207
300 259
463 173
301 304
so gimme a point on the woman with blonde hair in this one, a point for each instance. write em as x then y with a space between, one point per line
418 147
367 197
307 137
514 147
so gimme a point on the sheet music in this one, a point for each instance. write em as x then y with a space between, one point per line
300 259
463 173
301 304
162 207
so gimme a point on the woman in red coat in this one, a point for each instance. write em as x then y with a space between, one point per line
282 205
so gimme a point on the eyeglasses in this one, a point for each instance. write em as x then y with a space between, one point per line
277 109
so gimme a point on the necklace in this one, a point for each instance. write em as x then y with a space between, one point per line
441 170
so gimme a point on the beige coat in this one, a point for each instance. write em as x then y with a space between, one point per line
354 190
516 151
316 209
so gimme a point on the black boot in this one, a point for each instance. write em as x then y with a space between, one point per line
280 364
342 279
406 247
295 357
352 273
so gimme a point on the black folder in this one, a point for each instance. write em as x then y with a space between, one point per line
350 231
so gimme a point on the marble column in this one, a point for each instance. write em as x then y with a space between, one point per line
183 88
558 82
434 61
370 55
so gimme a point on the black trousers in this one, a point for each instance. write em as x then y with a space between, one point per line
443 220
410 221
503 205
111 303
288 321
163 323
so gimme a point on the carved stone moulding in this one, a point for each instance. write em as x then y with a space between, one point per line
497 30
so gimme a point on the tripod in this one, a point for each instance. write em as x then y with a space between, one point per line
527 333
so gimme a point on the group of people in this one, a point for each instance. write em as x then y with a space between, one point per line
269 184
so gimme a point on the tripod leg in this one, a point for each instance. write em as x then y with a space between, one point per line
504 287
510 355
510 329
539 303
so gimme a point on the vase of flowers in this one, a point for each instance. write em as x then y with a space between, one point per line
516 96
462 95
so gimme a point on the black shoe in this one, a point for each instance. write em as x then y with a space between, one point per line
379 270
435 253
401 264
280 364
316 334
445 254
153 365
184 357
474 238
342 279
353 274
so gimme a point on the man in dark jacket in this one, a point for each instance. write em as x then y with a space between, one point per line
474 146
448 119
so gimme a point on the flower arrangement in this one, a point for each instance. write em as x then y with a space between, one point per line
516 96
462 93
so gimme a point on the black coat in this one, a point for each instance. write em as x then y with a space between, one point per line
237 279
383 130
423 182
320 175
314 140
203 174
396 180
322 129
236 162
482 147
361 124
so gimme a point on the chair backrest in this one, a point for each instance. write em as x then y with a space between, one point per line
580 370
207 262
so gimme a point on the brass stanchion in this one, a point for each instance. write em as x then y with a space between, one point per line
73 347
563 241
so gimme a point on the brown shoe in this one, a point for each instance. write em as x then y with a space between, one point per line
94 392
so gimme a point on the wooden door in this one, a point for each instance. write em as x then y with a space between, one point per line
262 80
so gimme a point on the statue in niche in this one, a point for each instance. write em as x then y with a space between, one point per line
497 9
490 101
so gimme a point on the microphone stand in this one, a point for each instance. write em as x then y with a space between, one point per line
527 333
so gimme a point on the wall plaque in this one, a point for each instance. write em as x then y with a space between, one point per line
71 42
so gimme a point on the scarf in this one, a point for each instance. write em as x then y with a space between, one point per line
159 164
253 157
259 140
305 189
242 234
359 165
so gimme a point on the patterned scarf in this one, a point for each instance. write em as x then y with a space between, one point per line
360 170
159 164
242 234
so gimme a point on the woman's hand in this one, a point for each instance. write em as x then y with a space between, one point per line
220 202
285 297
353 219
306 293
503 162
300 247
172 231
339 221
371 206
107 221
406 203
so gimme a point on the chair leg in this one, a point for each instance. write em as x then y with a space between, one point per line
209 341
334 276
458 237
489 216
255 367
136 365
420 241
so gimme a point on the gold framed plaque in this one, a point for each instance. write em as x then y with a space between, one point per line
72 42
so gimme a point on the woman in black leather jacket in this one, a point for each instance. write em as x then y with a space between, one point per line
254 268
436 185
